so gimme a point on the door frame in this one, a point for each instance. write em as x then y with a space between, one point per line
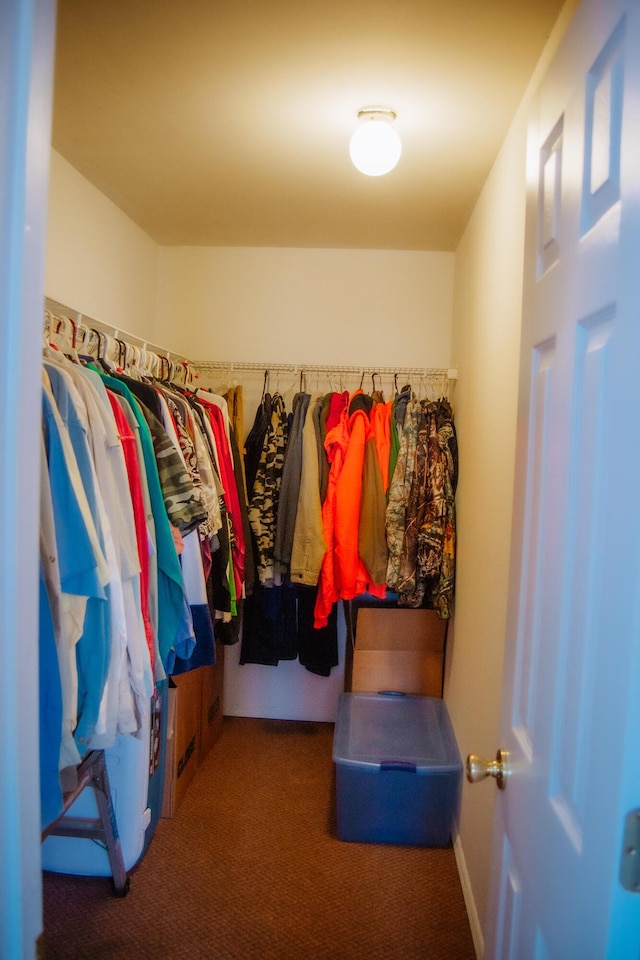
27 34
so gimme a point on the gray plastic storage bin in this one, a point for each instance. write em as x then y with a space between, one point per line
398 769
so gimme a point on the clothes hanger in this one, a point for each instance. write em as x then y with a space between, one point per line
59 343
83 335
105 343
92 343
47 324
134 362
152 362
122 355
182 367
376 393
188 374
163 360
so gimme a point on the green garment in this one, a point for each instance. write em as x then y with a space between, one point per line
171 597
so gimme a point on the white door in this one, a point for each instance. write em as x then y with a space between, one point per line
571 709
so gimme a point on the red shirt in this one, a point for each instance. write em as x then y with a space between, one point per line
139 514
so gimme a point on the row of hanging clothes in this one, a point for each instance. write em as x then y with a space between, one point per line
158 534
349 494
142 539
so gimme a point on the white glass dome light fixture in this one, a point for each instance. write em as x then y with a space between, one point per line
375 146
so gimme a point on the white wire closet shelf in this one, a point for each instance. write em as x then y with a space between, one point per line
433 376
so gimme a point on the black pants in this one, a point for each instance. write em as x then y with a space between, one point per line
278 625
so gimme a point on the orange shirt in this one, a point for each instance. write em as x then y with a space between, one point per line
336 442
351 577
343 573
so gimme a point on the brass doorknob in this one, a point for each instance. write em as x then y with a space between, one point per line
479 769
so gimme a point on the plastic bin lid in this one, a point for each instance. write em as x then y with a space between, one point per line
373 729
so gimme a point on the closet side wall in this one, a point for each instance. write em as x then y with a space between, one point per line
486 344
99 262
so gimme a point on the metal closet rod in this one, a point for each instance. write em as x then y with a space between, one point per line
312 368
59 309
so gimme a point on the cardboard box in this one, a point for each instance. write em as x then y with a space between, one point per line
183 738
211 706
397 648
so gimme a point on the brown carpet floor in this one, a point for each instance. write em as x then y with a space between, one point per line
250 869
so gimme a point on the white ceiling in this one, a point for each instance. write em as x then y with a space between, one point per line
227 122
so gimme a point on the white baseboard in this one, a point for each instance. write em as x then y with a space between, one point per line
469 900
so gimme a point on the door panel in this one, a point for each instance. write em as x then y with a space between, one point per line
510 898
603 128
572 666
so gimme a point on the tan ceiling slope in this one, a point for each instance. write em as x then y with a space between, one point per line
227 122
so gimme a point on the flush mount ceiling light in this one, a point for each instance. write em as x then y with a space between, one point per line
375 146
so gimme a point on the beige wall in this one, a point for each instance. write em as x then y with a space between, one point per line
98 261
487 310
361 307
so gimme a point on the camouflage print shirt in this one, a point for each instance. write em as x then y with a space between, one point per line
421 509
428 559
181 498
263 506
399 492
